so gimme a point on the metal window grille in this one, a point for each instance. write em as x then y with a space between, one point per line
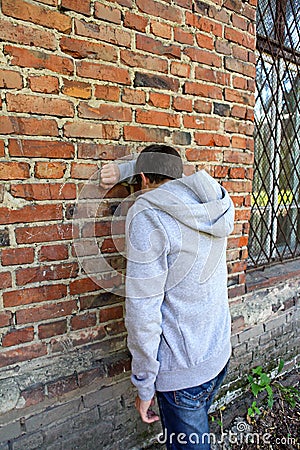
275 219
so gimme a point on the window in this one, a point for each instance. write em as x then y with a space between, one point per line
275 216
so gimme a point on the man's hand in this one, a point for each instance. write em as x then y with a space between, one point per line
110 175
145 411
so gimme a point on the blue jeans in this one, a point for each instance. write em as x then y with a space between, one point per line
184 416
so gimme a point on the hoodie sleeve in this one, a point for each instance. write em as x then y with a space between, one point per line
147 249
127 171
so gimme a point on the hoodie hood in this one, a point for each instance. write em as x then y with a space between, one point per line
197 201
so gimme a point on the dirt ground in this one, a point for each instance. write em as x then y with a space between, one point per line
274 429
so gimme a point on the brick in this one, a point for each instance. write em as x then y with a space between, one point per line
203 90
102 72
48 330
9 79
5 318
53 252
14 171
5 280
234 96
107 13
105 33
110 93
223 47
80 6
30 213
220 15
240 53
159 100
83 285
79 48
39 105
239 142
83 171
111 313
49 169
182 138
88 129
77 89
135 21
26 35
41 149
101 151
148 44
34 295
39 60
45 233
61 387
241 67
83 321
113 245
237 172
25 353
221 109
239 111
2 153
137 60
28 126
182 104
212 140
32 396
47 311
4 238
182 36
40 15
156 9
133 96
213 76
202 123
43 273
14 256
195 154
180 69
203 56
134 133
158 118
205 41
16 337
45 84
44 191
105 112
162 30
240 38
203 106
203 23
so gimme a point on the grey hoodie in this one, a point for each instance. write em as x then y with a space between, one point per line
177 313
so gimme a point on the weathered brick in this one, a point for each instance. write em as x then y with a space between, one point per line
27 35
159 100
18 256
81 6
39 60
156 81
26 353
184 37
45 84
49 169
101 151
154 8
46 311
133 59
134 96
84 171
28 126
182 104
158 118
135 133
203 90
103 72
79 48
45 233
14 170
107 13
34 295
16 337
162 30
180 69
44 191
9 79
135 21
77 89
105 112
105 33
48 330
41 149
212 140
37 14
5 280
202 123
5 318
83 321
88 129
46 273
30 213
39 105
151 45
4 238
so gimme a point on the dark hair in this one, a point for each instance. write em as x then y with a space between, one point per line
159 162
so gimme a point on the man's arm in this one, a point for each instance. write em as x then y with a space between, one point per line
113 173
147 249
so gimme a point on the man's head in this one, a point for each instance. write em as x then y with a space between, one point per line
159 163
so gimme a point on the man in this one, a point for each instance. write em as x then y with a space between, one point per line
177 313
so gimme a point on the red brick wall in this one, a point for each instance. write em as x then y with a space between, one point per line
84 82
